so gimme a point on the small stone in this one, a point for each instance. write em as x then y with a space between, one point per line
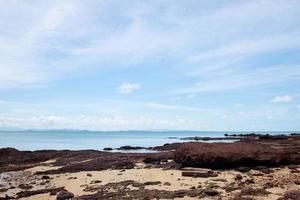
45 177
238 177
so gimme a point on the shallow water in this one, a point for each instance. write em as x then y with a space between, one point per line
78 140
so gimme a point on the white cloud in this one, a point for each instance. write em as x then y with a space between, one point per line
128 87
284 98
54 39
119 122
244 79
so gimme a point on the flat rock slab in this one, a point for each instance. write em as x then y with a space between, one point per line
199 174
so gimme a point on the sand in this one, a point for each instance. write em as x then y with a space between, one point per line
171 180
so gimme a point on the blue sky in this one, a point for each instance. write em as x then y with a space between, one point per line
119 65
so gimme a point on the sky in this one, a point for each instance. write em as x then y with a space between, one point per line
150 65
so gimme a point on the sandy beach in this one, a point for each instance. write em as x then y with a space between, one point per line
85 175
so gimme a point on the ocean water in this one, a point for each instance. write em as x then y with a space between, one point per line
79 140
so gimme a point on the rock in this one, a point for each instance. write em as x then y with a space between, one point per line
89 175
28 193
266 171
211 192
152 160
249 181
219 180
202 174
152 183
64 195
107 149
3 189
238 177
95 181
167 184
254 192
25 186
45 177
294 171
130 148
232 155
293 166
229 188
291 195
243 169
297 182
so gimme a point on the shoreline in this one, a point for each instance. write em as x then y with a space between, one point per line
255 167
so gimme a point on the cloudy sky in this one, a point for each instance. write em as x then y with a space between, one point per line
119 65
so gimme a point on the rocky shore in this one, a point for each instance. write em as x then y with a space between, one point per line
254 167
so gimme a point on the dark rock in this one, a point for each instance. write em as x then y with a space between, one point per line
3 189
243 169
297 182
238 177
96 181
229 188
293 166
107 149
266 170
24 194
249 181
152 183
25 186
167 184
130 148
152 160
202 174
233 155
291 195
211 192
64 195
89 175
254 192
45 177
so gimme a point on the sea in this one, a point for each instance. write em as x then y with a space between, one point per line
97 140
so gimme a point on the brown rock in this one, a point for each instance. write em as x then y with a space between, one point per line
291 195
152 183
232 155
64 195
238 177
202 174
254 192
211 192
25 186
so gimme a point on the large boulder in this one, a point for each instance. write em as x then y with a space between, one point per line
232 155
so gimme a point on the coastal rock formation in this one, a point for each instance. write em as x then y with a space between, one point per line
233 155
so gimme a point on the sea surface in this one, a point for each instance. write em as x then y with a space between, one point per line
79 140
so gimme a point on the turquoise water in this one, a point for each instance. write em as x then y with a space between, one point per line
78 140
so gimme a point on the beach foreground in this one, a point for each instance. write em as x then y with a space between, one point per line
253 168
